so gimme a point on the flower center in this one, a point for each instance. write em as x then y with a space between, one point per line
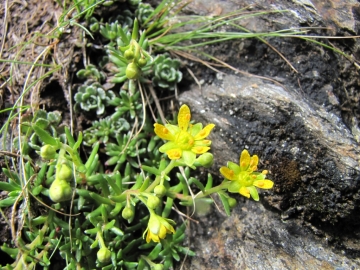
245 179
184 140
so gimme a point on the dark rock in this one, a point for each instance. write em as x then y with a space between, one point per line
312 157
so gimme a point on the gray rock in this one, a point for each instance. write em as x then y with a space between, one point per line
313 159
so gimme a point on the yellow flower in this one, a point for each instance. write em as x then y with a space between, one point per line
158 227
243 177
185 140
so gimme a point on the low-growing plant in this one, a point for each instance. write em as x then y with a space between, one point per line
93 97
105 198
121 220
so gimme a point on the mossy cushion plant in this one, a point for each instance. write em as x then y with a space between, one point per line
93 97
166 72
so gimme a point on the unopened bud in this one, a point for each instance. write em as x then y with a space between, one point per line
142 62
65 173
48 151
104 255
129 54
160 190
206 160
127 213
153 202
60 191
132 71
232 202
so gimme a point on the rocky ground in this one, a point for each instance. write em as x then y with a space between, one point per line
304 127
299 113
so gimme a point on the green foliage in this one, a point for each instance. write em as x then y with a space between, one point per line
126 149
166 72
93 97
144 12
29 140
127 105
91 73
105 129
111 31
125 18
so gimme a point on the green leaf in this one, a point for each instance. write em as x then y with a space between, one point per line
153 255
197 183
78 142
145 184
209 182
120 198
101 199
117 231
9 187
94 152
135 31
234 187
45 136
151 170
12 252
254 193
225 203
113 185
189 158
186 251
69 137
7 202
36 190
109 225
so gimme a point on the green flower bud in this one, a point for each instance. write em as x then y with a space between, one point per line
104 255
142 62
157 266
232 202
127 213
129 54
160 190
65 173
48 151
60 191
206 160
132 71
153 202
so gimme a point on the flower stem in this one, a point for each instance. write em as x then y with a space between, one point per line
160 178
201 194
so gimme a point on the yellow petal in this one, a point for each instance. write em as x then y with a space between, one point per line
184 117
206 142
204 132
174 153
245 192
200 149
227 173
265 184
150 236
162 233
244 160
155 238
163 132
254 160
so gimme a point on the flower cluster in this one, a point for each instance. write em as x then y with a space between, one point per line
185 140
244 178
